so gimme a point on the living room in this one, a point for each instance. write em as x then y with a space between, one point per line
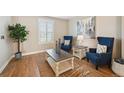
61 46
33 57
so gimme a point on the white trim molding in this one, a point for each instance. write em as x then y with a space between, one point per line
6 63
35 52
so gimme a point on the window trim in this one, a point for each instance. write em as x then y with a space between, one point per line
46 21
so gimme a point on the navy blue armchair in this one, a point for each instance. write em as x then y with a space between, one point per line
67 48
102 58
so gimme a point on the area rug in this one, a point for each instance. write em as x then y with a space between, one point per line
79 72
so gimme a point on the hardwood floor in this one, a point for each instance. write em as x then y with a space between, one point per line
36 66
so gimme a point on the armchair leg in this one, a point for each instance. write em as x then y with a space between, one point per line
109 65
87 59
97 67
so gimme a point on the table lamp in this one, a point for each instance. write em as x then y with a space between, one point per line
80 39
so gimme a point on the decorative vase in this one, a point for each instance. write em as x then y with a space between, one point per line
58 46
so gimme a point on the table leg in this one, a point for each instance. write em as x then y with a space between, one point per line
72 63
46 56
73 51
57 70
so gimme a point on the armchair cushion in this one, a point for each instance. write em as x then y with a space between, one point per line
101 58
94 57
65 46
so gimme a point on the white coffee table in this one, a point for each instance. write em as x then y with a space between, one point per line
80 51
59 62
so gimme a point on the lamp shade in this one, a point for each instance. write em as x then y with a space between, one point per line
80 37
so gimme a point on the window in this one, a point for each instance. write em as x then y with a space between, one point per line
46 31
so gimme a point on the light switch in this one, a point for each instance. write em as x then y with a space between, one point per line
2 37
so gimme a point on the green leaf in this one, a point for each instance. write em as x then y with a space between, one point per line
18 32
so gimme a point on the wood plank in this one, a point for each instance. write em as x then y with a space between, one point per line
35 66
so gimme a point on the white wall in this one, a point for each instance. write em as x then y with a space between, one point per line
107 26
5 44
91 43
110 26
122 38
31 22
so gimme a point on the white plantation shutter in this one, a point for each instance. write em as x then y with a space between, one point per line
50 32
46 31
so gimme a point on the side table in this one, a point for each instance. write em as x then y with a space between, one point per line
80 51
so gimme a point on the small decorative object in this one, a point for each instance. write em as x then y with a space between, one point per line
58 46
19 34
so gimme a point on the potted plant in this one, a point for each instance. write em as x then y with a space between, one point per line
19 34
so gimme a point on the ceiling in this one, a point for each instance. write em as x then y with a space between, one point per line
64 17
69 17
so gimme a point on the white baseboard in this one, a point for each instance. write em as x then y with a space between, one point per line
30 53
24 54
6 63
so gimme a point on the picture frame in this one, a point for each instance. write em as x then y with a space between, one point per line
86 27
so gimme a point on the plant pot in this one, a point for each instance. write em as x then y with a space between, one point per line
18 55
